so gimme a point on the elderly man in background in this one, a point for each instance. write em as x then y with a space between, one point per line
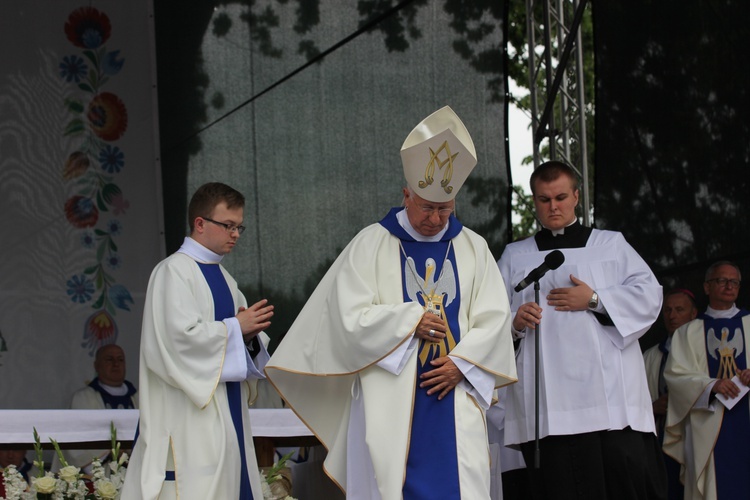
108 391
395 358
679 308
707 416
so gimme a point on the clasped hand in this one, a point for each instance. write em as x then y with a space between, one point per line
430 322
254 319
573 298
446 375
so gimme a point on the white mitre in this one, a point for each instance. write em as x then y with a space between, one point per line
438 156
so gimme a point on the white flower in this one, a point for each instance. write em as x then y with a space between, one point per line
46 484
69 474
106 489
15 484
267 493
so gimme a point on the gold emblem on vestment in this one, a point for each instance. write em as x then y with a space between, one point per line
727 350
436 295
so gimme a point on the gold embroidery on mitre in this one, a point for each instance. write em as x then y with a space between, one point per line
727 350
429 172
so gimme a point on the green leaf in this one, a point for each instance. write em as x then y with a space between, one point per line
100 202
93 78
86 87
91 56
99 302
74 105
60 456
113 438
39 462
74 127
109 191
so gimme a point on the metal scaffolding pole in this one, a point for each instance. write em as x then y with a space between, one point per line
556 82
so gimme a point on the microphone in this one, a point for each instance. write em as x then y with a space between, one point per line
553 260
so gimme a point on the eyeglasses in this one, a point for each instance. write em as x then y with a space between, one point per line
725 282
229 227
442 212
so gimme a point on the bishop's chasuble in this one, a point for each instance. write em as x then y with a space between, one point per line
385 437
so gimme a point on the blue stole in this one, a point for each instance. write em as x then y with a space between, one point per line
432 464
224 308
732 448
662 389
111 402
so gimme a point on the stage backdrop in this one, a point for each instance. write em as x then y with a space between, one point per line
672 135
79 190
316 148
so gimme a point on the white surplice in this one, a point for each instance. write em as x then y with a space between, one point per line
592 376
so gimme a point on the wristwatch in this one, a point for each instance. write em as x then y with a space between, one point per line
594 301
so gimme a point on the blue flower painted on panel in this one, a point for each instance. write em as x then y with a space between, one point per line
98 117
73 68
80 288
112 159
114 227
120 297
114 261
88 239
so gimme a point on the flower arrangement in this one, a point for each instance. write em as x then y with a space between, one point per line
276 484
69 483
106 484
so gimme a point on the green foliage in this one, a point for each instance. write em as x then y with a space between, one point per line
523 207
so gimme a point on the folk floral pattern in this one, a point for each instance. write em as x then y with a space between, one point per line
98 118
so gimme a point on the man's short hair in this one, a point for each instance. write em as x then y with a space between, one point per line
209 195
713 267
550 171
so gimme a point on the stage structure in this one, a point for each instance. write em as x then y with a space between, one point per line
556 83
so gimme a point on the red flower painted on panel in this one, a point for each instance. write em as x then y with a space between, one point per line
108 116
88 28
100 329
81 212
98 118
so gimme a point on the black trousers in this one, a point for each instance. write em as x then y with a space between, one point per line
603 465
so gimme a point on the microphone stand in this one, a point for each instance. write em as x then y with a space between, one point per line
536 381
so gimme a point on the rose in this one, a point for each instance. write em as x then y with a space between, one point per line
45 485
69 474
106 489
